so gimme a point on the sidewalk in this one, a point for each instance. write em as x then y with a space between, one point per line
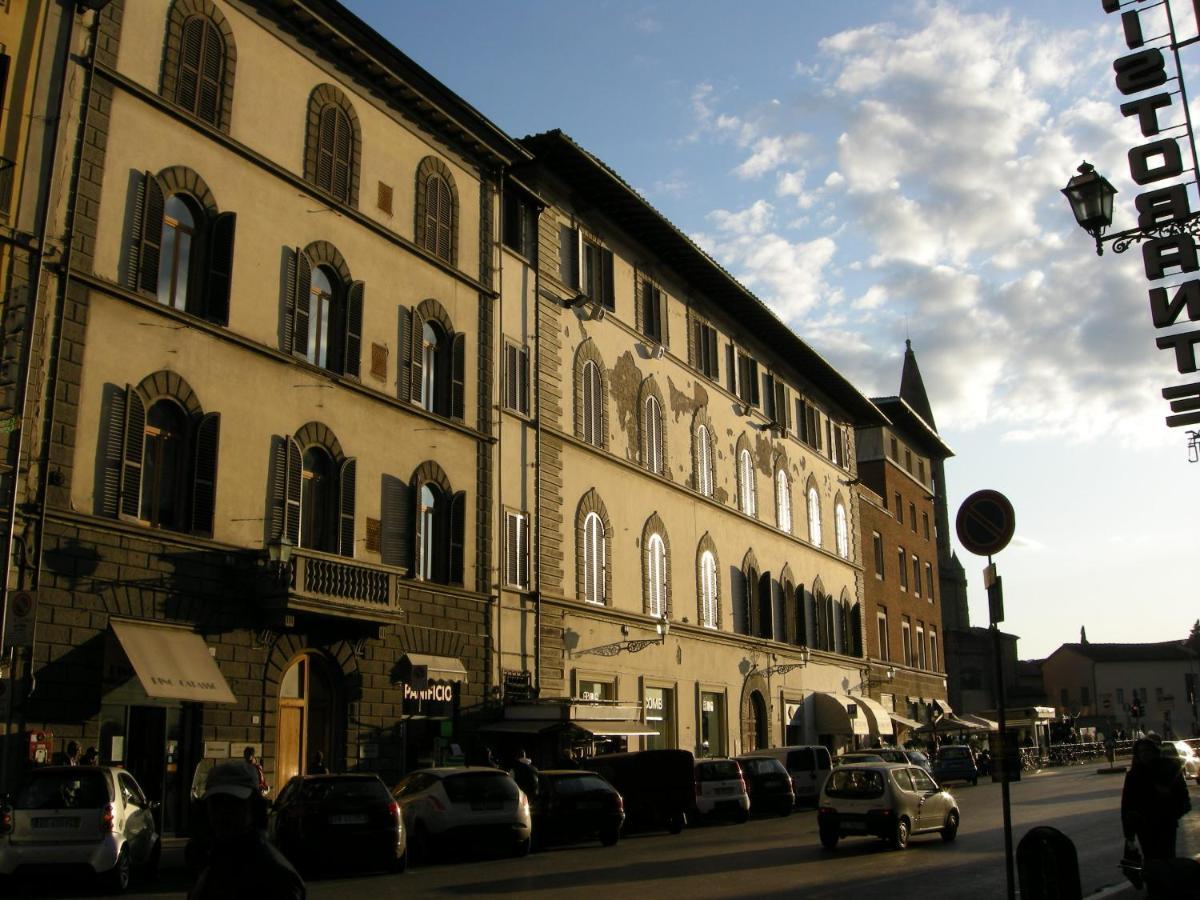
1187 845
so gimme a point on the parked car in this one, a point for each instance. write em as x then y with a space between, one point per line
721 790
808 765
574 805
320 820
84 816
478 807
887 800
858 756
1187 757
658 786
768 784
904 757
954 762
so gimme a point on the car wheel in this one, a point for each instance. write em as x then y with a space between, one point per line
116 879
609 836
950 829
422 849
975 781
521 848
742 817
785 809
829 838
397 864
150 870
676 822
900 837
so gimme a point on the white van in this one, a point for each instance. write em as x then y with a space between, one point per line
808 765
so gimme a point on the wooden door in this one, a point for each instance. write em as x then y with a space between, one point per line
290 750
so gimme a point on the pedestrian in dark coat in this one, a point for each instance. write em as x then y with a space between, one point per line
525 774
1154 798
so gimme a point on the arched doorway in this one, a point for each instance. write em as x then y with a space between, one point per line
756 724
306 716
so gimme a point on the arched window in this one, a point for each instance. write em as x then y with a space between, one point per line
704 461
323 321
708 589
654 438
318 501
841 530
439 217
428 514
432 361
164 464
783 501
814 516
594 576
656 576
200 76
335 150
178 239
429 366
323 300
593 404
746 490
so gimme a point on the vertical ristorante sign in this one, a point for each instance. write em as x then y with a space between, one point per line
1167 225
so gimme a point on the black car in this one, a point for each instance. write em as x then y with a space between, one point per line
574 805
658 786
325 821
768 784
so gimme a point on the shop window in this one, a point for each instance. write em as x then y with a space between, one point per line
712 724
659 704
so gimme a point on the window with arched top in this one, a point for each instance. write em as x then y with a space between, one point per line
311 491
708 589
318 501
181 221
436 223
841 529
324 316
332 144
747 497
656 576
592 391
783 501
594 560
652 422
704 461
814 516
432 369
199 61
164 462
428 501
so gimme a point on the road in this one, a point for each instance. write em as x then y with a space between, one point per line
779 856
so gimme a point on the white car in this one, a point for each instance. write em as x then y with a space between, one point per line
471 807
721 789
91 816
887 800
1187 757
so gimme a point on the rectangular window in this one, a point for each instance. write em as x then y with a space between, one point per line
596 690
920 647
929 581
902 568
706 349
659 704
654 312
516 550
839 447
520 221
933 650
921 470
516 378
916 577
912 517
895 450
925 524
747 376
906 642
731 373
596 272
877 540
899 510
712 724
881 624
908 460
829 436
808 423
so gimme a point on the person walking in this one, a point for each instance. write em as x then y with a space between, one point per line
318 767
241 865
252 761
72 755
1154 798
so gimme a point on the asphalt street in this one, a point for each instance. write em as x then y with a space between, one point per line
775 856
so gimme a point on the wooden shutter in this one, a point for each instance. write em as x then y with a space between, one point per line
114 451
458 346
276 489
396 527
301 292
458 523
607 288
191 60
220 268
416 364
347 482
147 235
354 327
343 150
797 602
204 480
568 256
523 550
766 613
294 481
731 369
404 342
781 404
131 454
212 62
326 143
445 220
523 366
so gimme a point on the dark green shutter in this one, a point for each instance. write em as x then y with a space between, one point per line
146 235
458 375
220 268
458 522
191 52
293 490
404 341
416 365
347 483
131 456
301 291
354 324
204 482
396 527
114 450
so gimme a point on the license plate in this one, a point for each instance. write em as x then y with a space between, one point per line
855 827
56 822
772 782
349 819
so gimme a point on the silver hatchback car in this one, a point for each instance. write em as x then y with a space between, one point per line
84 816
887 800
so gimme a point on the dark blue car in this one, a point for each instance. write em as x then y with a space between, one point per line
955 763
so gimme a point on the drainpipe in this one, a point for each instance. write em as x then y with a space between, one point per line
496 624
537 452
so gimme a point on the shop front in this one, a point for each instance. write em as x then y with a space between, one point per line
430 697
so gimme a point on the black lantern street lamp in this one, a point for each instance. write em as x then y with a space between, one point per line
1091 198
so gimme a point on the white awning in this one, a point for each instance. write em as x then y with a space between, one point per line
834 714
171 663
881 722
904 721
613 728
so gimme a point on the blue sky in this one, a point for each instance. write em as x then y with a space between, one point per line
877 170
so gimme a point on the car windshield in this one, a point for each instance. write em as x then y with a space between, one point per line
474 787
580 784
864 783
724 770
344 790
954 753
918 757
75 788
755 766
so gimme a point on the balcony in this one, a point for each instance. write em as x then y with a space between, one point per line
329 585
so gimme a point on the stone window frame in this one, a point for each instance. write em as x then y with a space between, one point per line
649 391
787 595
812 506
656 527
746 480
429 472
181 11
591 502
752 573
588 352
783 495
701 420
707 545
841 527
323 96
427 168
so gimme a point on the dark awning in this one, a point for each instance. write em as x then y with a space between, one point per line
434 668
171 663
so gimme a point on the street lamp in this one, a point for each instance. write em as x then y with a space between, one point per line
1091 199
662 627
279 559
782 668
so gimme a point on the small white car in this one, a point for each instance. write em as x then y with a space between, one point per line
92 816
1187 757
721 789
887 800
468 807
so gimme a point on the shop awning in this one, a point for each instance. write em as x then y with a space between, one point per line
980 721
614 728
881 722
520 726
171 663
904 721
833 714
435 668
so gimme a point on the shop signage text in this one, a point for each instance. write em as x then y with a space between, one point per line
441 693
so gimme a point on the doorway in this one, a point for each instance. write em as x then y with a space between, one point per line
756 726
306 717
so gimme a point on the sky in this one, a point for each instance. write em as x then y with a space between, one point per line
877 171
